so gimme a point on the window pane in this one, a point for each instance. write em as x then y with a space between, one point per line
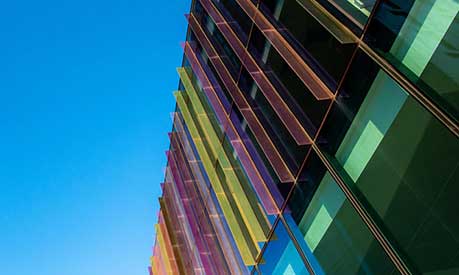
333 237
323 52
404 161
281 255
299 98
421 38
356 10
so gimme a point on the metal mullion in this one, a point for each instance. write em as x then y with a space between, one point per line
411 89
366 217
297 246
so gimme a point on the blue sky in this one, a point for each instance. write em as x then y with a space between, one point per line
84 113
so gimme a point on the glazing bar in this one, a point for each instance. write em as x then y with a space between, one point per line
291 57
248 249
277 103
273 156
243 195
247 162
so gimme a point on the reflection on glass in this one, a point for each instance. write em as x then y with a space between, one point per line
333 237
357 9
281 255
406 164
421 38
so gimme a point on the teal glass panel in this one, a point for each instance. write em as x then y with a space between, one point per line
404 162
331 234
421 38
281 255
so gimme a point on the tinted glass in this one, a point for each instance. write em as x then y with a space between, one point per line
281 255
421 38
284 188
333 237
322 51
236 17
356 11
292 153
404 161
300 100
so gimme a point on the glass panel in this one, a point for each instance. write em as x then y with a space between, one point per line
403 160
224 50
356 10
269 175
421 38
212 206
322 51
301 101
333 237
292 153
281 255
236 17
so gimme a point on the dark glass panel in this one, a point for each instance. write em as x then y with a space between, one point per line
292 153
353 91
241 175
225 52
324 53
355 25
284 188
405 163
421 39
331 233
236 17
357 11
300 100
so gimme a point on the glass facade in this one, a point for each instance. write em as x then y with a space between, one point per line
314 137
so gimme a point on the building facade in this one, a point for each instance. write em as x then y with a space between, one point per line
314 137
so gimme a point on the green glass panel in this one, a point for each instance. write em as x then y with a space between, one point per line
405 162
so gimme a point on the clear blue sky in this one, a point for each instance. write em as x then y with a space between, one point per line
84 113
